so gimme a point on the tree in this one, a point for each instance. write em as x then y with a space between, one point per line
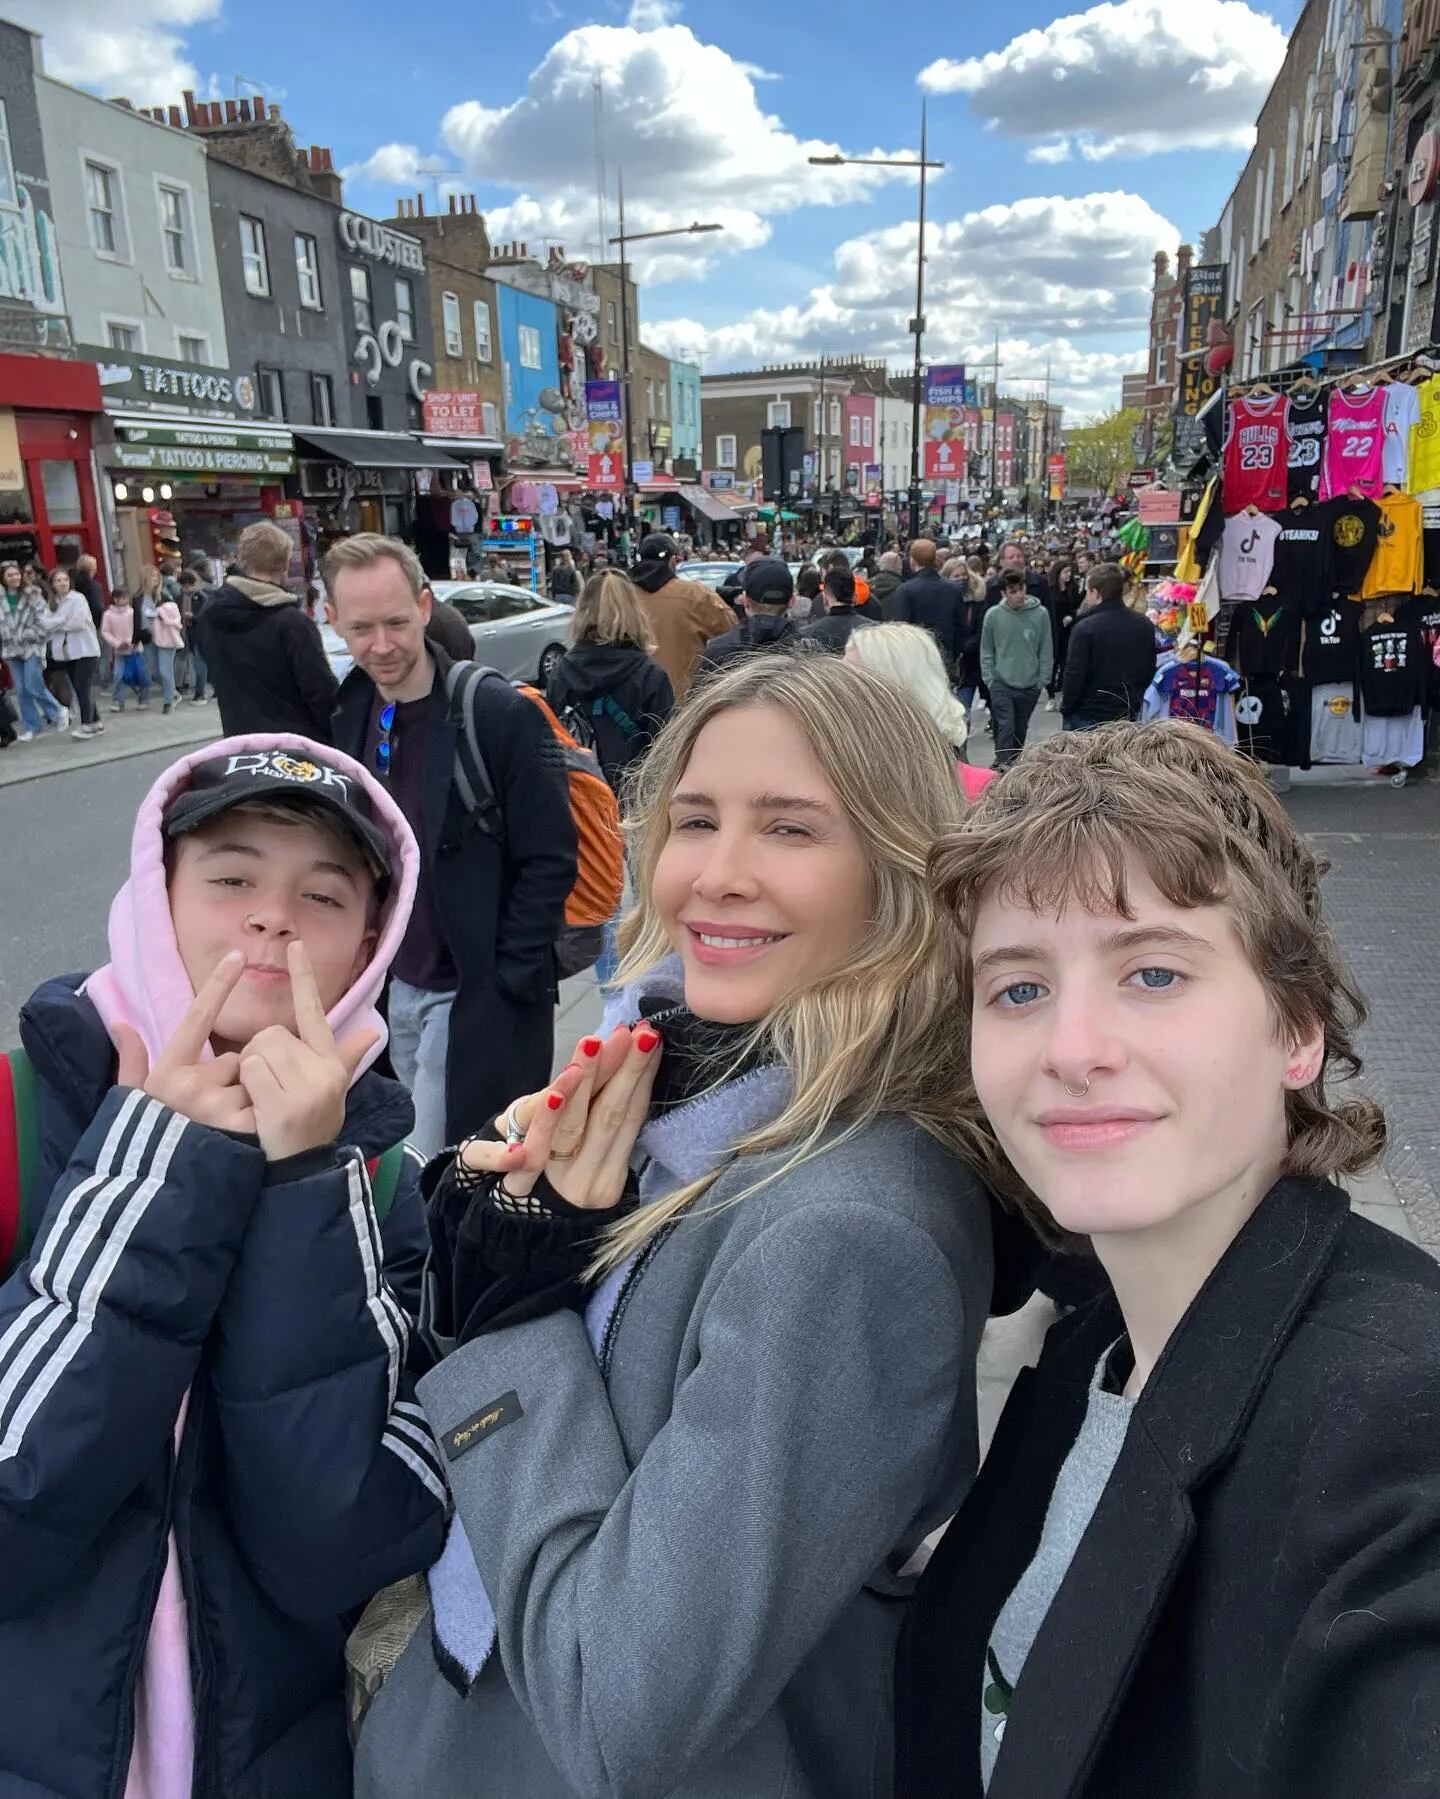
1097 456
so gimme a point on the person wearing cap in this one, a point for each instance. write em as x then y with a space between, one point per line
683 615
767 590
210 1452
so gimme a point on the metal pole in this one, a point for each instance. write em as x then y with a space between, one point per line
625 360
919 337
820 436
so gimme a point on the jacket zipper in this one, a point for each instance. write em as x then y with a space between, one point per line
622 1298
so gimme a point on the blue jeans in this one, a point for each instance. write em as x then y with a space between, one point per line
202 674
419 1045
37 703
166 659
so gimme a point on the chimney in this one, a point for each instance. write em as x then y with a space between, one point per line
257 109
175 118
245 112
232 113
189 99
274 108
420 206
452 203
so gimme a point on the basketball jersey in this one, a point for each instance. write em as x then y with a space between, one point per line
1425 444
1355 444
1307 444
1257 453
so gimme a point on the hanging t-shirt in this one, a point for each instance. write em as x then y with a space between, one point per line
1354 444
1332 644
1392 678
1354 530
1257 452
1402 414
1247 555
1384 741
1300 573
1334 728
1425 444
1198 692
1265 638
1190 565
1424 613
1261 720
1398 565
1307 444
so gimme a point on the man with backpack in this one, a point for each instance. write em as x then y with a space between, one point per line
478 770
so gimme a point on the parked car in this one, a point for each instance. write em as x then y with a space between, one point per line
709 574
521 633
336 652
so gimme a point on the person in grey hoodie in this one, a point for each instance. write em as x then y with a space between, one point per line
710 1304
1016 657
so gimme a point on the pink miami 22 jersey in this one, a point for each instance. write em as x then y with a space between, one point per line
1355 444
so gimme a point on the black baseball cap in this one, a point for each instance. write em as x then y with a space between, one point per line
657 546
291 777
768 582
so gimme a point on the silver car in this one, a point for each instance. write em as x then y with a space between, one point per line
709 574
519 632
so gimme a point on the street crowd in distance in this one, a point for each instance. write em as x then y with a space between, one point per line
392 1405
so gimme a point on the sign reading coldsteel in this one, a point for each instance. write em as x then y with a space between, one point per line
368 237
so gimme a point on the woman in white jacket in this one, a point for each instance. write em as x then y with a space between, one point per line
74 646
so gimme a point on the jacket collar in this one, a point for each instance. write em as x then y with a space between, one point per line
353 706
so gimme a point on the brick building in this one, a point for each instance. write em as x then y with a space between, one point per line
1408 289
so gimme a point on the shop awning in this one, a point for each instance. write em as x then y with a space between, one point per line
201 433
372 449
700 500
465 446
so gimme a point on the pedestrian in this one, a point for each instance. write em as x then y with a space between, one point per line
147 602
24 634
767 590
564 577
212 1454
263 656
75 648
473 985
887 578
608 679
168 637
1016 656
117 629
807 603
683 615
841 618
928 599
906 656
701 1414
1112 658
1065 600
1203 1556
193 595
83 580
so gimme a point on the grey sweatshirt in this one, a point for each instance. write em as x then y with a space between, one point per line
693 1545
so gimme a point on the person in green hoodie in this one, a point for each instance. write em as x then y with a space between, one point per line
1015 661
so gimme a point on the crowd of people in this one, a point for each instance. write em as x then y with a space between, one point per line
384 1412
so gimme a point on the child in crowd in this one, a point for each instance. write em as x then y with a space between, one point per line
117 629
208 1450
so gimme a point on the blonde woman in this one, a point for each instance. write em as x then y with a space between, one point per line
609 678
713 1299
909 657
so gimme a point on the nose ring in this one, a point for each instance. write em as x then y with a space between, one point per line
249 922
1077 1092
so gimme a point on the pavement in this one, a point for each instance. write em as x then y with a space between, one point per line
126 734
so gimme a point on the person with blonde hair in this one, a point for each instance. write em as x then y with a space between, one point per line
1203 1556
608 683
907 656
712 1300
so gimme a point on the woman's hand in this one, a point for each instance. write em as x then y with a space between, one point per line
580 1130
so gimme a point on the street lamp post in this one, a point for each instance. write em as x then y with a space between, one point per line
622 238
917 324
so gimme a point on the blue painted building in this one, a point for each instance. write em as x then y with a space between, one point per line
685 411
530 367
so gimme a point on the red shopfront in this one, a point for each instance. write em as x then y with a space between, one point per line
47 486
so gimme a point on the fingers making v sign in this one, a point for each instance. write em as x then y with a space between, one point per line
205 1089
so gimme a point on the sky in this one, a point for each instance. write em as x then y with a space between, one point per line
1075 144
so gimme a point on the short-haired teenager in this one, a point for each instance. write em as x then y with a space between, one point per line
1202 1559
208 1449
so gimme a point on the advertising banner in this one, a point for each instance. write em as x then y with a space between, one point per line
1158 505
1204 303
606 434
453 412
607 469
947 393
1055 474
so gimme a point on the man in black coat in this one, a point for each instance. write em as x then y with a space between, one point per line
264 657
841 619
767 590
928 599
473 985
1112 656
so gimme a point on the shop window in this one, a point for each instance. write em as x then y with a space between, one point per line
272 392
777 413
361 309
60 482
454 340
374 412
176 231
482 332
322 400
105 205
307 271
405 308
120 334
725 451
9 192
255 262
529 347
190 348
490 418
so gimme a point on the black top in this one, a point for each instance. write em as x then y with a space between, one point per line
1110 663
1265 637
1354 531
1301 571
759 631
1307 444
620 693
422 959
1332 644
267 664
930 600
1392 677
837 627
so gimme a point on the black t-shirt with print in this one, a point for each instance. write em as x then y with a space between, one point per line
1392 675
1354 532
1307 445
1262 720
1331 644
1424 613
1301 573
1265 638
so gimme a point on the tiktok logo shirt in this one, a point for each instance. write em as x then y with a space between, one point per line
1247 555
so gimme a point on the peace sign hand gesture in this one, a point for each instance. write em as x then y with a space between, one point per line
206 1090
297 1083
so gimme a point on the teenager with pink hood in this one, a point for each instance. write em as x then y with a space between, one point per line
209 1452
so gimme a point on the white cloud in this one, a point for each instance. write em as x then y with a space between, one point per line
1059 151
1128 77
395 165
649 15
130 47
1047 271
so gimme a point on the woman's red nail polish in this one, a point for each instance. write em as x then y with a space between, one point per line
555 1101
514 1149
645 1041
590 1046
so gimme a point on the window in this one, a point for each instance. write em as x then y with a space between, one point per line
1292 147
190 348
1257 210
175 231
649 397
818 418
103 199
612 330
360 306
272 393
483 347
507 375
855 430
529 347
454 342
725 452
866 430
307 271
834 476
664 399
322 401
252 256
777 413
374 413
1254 339
835 418
405 310
1269 190
9 192
490 418
122 336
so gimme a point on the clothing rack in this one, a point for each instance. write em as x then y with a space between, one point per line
1283 380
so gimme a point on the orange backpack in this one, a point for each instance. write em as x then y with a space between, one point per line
600 862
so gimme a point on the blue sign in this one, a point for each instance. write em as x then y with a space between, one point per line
945 385
670 517
602 400
644 471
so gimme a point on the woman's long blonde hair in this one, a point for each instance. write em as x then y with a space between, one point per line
910 657
880 1033
609 610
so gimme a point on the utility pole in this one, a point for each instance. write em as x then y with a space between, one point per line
994 467
820 435
626 405
917 325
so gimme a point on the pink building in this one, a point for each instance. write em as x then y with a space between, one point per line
860 439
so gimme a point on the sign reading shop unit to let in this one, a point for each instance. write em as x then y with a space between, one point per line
162 384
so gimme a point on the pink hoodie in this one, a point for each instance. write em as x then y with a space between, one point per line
144 984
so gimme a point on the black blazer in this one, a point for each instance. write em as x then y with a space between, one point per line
1254 1612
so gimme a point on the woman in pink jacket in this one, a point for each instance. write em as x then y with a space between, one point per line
168 635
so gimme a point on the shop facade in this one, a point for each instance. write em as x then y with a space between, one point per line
49 511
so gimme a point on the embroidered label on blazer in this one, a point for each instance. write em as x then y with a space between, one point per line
482 1424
